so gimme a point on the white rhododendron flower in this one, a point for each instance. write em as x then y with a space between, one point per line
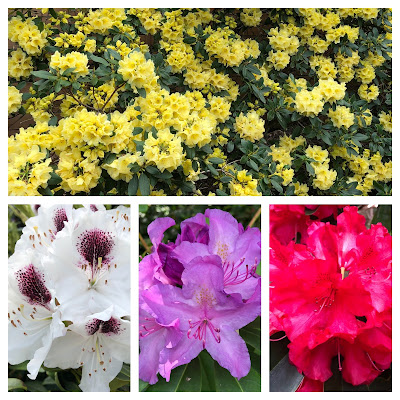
99 344
69 293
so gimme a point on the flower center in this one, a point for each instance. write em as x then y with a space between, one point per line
95 246
200 331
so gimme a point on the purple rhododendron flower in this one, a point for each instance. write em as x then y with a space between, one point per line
197 292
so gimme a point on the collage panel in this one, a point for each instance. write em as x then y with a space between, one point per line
197 102
69 298
172 102
330 298
200 298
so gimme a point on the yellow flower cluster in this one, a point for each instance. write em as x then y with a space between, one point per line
19 65
366 73
309 103
251 16
74 59
206 59
367 168
324 177
243 185
345 65
66 39
138 71
120 169
78 174
312 102
27 35
281 154
165 150
368 93
38 107
342 116
324 67
229 48
385 119
250 126
284 39
28 170
14 99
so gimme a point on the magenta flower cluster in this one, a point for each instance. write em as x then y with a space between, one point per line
197 292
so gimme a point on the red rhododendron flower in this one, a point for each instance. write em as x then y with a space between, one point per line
331 295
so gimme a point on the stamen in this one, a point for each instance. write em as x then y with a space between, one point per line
373 364
277 340
201 330
340 365
232 274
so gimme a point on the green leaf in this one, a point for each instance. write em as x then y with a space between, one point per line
98 59
224 381
143 386
68 71
277 186
116 384
144 184
34 386
251 337
141 92
310 169
54 179
58 87
137 130
384 215
251 382
115 54
44 75
152 170
23 365
143 209
216 160
16 384
53 121
189 40
230 146
207 372
109 158
252 164
133 186
284 377
186 378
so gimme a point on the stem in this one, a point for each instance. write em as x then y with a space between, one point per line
118 87
255 217
144 244
80 103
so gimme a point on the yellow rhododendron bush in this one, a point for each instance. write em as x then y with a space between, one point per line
200 102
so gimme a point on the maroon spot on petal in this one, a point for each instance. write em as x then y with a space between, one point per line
112 326
94 244
59 217
93 326
31 284
94 208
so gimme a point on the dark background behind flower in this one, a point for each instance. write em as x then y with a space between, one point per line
203 373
